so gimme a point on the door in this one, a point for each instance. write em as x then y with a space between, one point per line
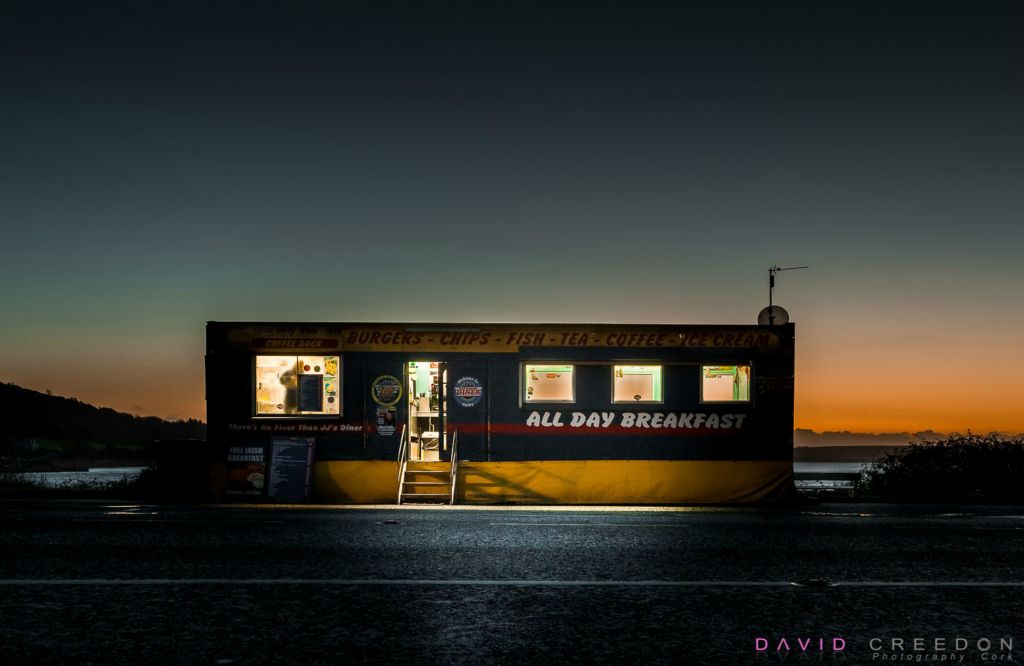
467 409
383 408
427 401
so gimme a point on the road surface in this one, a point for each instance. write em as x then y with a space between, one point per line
112 583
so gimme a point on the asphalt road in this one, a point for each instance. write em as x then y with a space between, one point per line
113 583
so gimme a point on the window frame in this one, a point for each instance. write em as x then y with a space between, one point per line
524 384
638 402
297 415
738 364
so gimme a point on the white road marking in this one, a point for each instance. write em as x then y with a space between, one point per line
519 524
121 519
14 582
957 527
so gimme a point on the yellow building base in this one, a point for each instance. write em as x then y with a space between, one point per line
571 481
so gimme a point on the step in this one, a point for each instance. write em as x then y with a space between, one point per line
409 470
427 483
424 495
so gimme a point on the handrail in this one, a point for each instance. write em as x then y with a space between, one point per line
455 464
403 445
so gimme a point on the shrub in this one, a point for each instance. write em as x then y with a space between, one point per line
960 468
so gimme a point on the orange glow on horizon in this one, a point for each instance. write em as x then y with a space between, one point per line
848 378
860 406
903 381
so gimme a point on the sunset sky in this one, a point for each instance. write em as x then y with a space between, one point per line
165 164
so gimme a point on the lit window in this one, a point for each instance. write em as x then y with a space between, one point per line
297 385
549 383
636 383
725 383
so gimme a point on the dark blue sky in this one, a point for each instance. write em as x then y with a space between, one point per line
168 163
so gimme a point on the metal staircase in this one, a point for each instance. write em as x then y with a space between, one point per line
428 482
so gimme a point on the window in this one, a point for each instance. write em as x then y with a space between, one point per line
636 383
550 383
297 385
725 383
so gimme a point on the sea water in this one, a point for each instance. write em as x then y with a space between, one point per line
94 475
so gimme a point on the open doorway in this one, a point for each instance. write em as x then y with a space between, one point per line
428 384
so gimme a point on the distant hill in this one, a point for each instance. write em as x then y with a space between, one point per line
30 421
805 437
831 438
856 453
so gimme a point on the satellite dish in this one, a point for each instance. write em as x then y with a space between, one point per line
773 315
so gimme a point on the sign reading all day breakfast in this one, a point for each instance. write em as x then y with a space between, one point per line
638 420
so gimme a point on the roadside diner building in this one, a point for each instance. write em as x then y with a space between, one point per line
501 413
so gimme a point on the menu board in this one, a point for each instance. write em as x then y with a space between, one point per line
291 459
311 393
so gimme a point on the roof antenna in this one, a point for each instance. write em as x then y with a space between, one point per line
770 314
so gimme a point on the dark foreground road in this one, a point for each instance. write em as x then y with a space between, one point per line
102 583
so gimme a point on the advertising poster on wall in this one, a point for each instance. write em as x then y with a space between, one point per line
386 390
386 421
468 391
291 460
245 470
